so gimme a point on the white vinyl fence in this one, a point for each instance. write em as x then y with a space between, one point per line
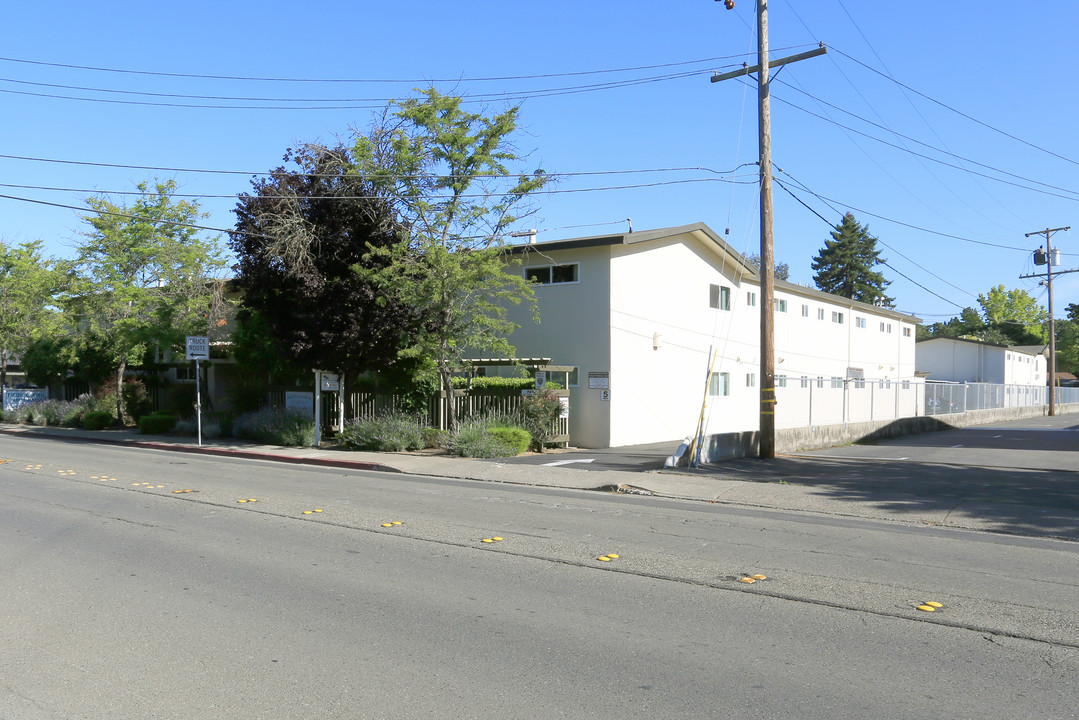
806 402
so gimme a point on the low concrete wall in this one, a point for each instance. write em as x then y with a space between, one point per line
726 446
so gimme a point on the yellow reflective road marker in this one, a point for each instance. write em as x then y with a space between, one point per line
926 608
487 540
497 539
387 524
759 577
934 604
603 558
747 580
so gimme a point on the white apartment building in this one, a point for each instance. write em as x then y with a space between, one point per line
662 322
958 360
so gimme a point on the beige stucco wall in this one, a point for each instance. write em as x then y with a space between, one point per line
574 329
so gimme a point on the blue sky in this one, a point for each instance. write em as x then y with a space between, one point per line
946 127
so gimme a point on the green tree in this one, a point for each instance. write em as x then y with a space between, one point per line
844 266
299 235
446 173
1068 346
782 271
145 276
29 288
968 324
1014 317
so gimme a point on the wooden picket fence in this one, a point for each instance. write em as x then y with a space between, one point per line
367 404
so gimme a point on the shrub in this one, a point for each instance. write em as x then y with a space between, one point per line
136 400
517 438
156 424
539 415
434 438
486 438
276 427
392 432
211 427
72 414
502 383
98 419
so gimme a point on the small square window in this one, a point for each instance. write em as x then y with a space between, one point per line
906 332
719 384
779 305
751 299
719 297
781 381
858 321
837 317
837 382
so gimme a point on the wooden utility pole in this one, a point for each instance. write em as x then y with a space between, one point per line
1052 374
767 270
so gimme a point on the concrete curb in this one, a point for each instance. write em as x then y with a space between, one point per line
210 450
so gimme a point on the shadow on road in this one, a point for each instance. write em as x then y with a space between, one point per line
1036 502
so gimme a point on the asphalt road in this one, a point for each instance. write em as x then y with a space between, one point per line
136 585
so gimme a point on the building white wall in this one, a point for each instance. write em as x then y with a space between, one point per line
574 329
955 360
640 311
662 327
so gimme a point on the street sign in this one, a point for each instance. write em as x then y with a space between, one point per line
198 347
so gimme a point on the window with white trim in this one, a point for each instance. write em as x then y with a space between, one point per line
751 379
820 313
805 311
751 299
781 381
779 305
906 332
552 274
837 317
858 321
719 384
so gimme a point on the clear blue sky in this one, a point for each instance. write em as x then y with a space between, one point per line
625 88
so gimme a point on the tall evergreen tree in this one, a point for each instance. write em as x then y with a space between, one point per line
844 266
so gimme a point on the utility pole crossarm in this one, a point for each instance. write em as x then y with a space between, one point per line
771 64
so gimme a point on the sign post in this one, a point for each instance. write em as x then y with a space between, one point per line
198 348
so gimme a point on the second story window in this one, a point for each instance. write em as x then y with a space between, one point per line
552 274
719 297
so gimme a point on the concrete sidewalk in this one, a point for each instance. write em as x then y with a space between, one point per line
934 494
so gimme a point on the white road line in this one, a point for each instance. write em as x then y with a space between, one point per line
567 462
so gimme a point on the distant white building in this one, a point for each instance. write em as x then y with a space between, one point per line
958 360
661 322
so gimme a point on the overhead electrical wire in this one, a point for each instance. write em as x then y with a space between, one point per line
954 110
542 76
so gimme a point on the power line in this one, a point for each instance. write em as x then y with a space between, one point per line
271 173
829 200
918 142
954 110
886 264
373 80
